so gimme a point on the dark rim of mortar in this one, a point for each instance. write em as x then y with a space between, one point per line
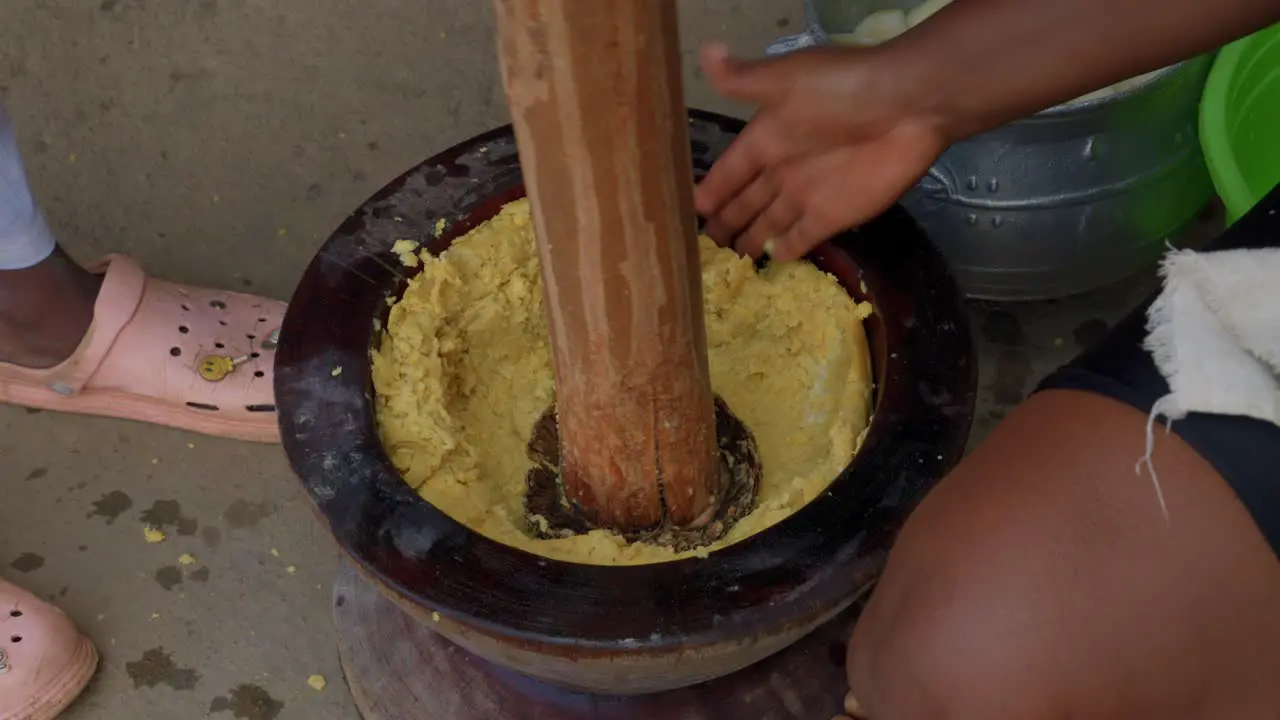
807 565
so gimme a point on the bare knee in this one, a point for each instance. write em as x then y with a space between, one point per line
976 648
933 652
975 641
1032 584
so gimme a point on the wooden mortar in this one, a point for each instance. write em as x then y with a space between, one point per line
612 630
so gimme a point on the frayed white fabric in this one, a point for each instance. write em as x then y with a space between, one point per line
1214 333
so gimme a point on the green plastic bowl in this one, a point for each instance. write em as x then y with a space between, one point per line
1240 121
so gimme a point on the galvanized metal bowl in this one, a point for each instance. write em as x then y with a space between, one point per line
1065 201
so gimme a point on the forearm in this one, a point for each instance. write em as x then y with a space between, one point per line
978 64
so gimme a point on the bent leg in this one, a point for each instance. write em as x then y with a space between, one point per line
1041 580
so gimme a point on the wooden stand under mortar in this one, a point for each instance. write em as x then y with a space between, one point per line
399 669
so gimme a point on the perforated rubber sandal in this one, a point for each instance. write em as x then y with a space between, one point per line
167 354
45 663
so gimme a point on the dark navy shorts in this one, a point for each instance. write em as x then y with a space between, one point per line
1244 451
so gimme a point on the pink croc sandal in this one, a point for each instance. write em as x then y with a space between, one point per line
167 354
44 661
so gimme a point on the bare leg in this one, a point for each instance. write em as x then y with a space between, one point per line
46 307
1040 580
46 300
45 310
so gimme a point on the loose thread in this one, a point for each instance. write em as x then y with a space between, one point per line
1156 410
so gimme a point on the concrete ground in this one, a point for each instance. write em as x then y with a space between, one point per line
219 141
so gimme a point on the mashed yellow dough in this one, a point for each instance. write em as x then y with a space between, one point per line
464 370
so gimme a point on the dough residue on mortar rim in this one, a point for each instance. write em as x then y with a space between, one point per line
464 370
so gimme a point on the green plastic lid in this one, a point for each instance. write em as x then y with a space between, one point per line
1240 121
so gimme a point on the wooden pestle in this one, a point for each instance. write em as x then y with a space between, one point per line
596 97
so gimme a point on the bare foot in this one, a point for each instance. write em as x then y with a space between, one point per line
45 311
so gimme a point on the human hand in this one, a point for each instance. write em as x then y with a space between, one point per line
835 141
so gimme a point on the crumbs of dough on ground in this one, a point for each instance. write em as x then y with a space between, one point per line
464 370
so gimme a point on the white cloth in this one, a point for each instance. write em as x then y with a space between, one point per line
1214 333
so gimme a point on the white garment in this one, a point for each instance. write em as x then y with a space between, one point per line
1214 333
25 239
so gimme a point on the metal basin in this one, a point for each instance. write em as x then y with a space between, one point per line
1065 201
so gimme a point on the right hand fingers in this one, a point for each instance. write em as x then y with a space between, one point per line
835 193
742 210
772 223
754 82
732 173
759 83
825 206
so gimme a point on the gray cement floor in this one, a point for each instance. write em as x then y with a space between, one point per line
219 141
